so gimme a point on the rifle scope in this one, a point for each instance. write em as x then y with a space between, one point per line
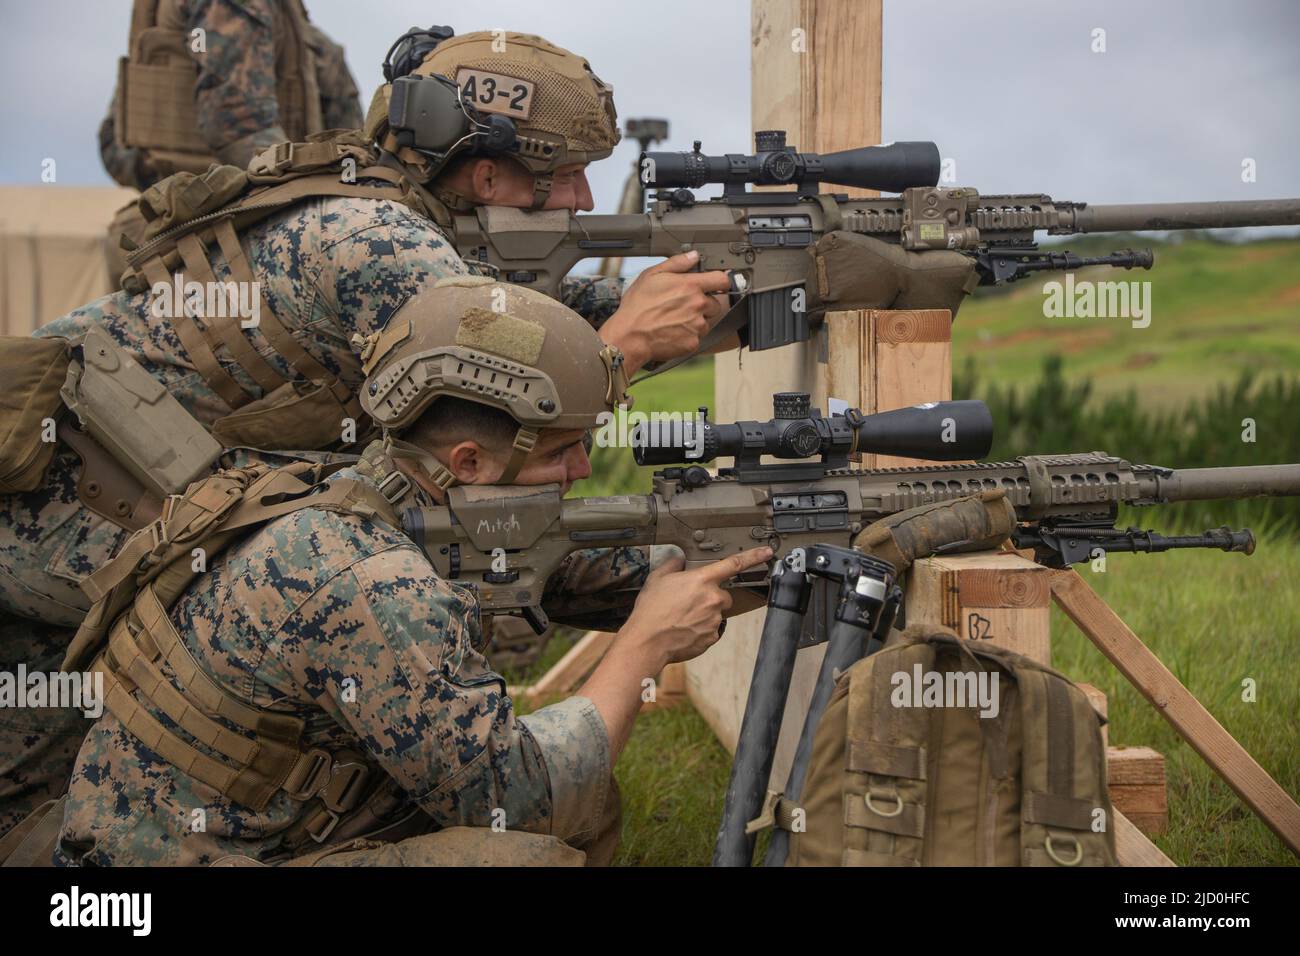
892 167
935 431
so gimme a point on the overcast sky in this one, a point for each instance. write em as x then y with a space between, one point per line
1010 89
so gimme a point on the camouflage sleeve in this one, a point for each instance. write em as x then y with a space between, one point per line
595 588
382 261
427 707
595 298
340 104
235 96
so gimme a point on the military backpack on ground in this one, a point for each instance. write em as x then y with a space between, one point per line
902 777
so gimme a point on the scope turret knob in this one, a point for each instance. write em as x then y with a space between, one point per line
781 167
791 405
803 439
767 140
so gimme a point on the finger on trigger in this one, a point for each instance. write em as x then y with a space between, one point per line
716 281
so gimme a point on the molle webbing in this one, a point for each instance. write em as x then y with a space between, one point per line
886 768
135 590
185 250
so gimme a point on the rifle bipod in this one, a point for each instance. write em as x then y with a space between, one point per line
865 606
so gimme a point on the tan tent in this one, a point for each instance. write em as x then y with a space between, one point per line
52 250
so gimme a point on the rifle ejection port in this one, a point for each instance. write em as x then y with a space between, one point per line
780 231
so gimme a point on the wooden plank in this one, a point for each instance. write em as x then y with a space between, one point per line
880 359
1135 777
992 596
1133 848
1176 704
569 670
1097 698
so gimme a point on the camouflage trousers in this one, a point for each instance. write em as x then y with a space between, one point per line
471 846
49 542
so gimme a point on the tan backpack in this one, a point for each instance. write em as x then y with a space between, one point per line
896 780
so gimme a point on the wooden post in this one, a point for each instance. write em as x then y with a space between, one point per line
1135 778
879 359
815 73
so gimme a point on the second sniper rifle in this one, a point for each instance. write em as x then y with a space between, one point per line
507 541
764 238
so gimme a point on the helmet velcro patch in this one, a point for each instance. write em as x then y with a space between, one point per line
502 334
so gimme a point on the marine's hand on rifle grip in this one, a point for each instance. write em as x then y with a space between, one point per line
666 311
682 611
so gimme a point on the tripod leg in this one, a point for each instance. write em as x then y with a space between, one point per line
761 725
857 609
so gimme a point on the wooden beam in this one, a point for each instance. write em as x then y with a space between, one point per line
1133 848
879 359
568 672
1177 705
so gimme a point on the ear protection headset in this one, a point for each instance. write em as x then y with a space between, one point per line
428 114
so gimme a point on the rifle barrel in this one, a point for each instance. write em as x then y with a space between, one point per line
1141 217
1247 481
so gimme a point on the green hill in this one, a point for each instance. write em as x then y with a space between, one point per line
1217 309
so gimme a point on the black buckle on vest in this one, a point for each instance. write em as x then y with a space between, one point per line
340 794
394 494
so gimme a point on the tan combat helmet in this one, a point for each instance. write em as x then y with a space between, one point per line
496 94
496 344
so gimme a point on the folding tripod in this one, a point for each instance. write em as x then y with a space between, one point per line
866 602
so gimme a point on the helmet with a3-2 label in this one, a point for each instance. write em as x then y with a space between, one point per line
492 93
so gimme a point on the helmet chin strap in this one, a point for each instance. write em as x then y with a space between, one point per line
431 467
442 477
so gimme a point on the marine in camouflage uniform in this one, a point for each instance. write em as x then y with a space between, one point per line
340 620
237 107
329 268
344 623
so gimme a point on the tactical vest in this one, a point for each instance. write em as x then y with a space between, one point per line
908 781
190 217
155 109
127 636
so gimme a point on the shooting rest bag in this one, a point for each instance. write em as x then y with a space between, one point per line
908 785
851 271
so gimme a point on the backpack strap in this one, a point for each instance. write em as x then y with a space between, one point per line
1057 807
226 330
887 764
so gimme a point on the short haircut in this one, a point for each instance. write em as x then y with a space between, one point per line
450 420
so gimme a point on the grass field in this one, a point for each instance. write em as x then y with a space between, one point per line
1215 620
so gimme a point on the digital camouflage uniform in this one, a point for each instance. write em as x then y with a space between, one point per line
238 112
329 268
343 622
